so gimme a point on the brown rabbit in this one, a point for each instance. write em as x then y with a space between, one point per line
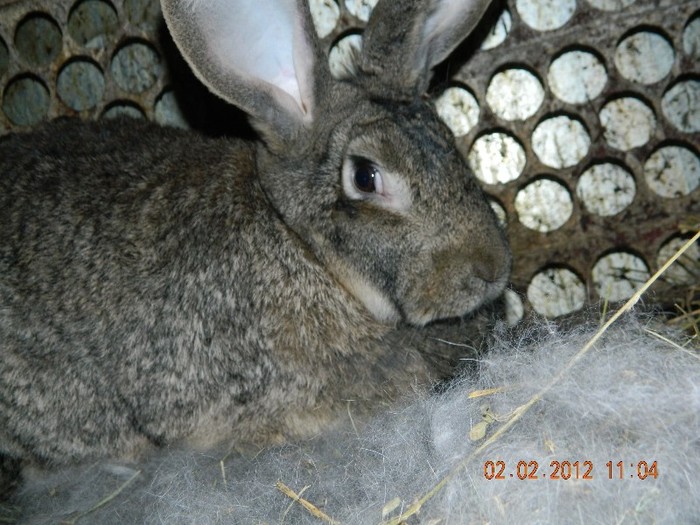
156 285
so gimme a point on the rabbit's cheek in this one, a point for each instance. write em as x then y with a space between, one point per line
372 298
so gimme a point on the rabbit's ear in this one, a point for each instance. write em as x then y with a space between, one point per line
259 55
404 40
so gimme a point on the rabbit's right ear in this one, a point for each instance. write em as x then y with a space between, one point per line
405 39
260 55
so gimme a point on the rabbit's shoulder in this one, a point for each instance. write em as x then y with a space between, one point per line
118 187
93 168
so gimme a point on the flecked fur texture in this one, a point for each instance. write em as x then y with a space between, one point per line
157 286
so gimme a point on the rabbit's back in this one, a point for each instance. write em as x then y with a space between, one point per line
95 215
120 307
109 189
149 292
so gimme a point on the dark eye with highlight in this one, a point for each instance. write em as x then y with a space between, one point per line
366 177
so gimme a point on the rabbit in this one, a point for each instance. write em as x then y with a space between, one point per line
160 287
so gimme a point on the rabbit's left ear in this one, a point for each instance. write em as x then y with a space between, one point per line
405 39
260 55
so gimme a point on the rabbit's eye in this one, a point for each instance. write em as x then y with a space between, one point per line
369 181
367 178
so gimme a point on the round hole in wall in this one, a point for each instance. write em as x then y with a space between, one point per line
681 105
325 14
499 210
545 15
340 58
672 171
92 22
497 157
617 275
80 84
577 76
644 56
360 9
121 108
560 141
514 308
136 67
556 291
26 100
167 111
606 189
544 205
515 94
499 31
38 39
686 269
691 37
627 123
143 13
459 109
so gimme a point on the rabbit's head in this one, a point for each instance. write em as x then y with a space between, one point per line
361 169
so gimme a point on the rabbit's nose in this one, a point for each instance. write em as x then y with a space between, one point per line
488 262
492 264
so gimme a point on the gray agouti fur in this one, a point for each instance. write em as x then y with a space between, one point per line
158 286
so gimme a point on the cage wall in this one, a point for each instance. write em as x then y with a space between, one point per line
580 118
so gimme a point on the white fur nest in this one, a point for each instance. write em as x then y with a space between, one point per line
632 398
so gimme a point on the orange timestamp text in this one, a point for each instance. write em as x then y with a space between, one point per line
583 470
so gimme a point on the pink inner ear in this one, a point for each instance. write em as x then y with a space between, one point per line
261 42
286 80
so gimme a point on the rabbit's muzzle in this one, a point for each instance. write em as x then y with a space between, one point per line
460 281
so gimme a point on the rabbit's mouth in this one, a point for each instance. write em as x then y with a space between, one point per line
431 304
